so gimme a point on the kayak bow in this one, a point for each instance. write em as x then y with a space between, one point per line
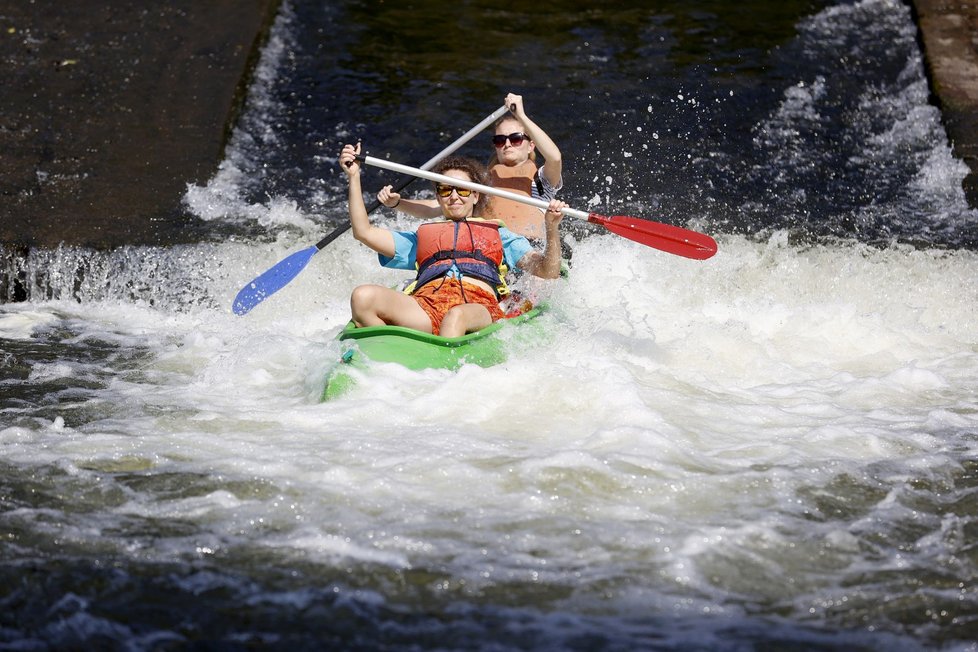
417 350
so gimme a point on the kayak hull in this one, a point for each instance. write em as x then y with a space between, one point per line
417 350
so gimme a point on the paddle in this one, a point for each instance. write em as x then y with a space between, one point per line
278 276
665 237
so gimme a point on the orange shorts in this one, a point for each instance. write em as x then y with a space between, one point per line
438 297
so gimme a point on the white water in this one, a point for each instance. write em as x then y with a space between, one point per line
661 451
777 441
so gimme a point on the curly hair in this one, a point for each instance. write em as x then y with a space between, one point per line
476 172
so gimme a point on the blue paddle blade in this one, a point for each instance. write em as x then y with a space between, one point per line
272 281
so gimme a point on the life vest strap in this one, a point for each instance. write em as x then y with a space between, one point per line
454 254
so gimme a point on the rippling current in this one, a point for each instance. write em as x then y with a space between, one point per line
773 449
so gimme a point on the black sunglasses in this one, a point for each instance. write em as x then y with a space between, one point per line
515 138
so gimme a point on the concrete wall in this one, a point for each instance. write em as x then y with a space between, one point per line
108 109
949 35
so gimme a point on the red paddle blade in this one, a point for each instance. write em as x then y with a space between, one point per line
665 237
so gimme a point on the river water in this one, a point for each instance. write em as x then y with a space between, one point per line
773 449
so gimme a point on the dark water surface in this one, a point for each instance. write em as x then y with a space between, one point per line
750 116
776 449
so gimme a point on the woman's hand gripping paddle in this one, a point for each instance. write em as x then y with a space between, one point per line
278 276
665 237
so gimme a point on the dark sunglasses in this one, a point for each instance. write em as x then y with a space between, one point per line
516 138
446 191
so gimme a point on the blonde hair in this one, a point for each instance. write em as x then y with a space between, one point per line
494 159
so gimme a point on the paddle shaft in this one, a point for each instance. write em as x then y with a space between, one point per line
464 138
471 185
666 237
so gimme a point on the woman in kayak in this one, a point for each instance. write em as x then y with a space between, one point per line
512 167
459 259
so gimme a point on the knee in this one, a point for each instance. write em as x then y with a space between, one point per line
362 294
452 317
463 319
452 324
363 297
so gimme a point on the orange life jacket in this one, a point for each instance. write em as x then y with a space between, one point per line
519 218
473 246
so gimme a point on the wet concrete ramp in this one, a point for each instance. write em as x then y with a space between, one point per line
949 33
109 109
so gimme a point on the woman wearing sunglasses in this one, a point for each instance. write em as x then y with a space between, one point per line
512 167
460 259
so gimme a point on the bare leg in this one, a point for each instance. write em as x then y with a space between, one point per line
375 305
466 318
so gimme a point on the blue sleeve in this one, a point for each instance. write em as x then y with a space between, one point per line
514 247
405 251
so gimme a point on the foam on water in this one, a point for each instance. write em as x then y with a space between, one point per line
702 392
695 435
767 445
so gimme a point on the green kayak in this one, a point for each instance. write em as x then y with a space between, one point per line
416 350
